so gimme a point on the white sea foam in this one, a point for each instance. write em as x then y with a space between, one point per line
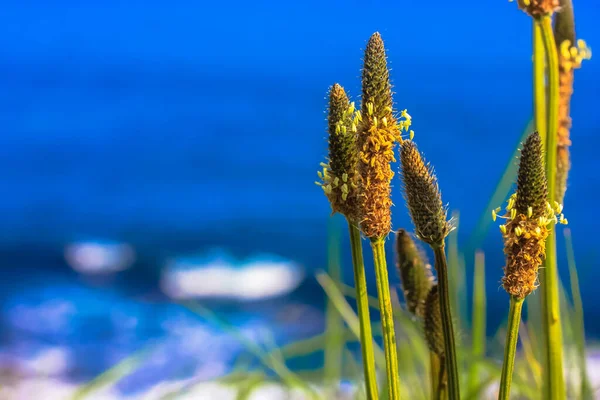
221 276
98 257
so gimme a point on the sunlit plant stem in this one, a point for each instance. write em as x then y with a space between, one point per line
362 300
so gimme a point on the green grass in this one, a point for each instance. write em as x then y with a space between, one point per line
343 322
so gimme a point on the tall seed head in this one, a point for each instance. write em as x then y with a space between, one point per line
532 190
570 57
423 196
528 215
377 135
338 177
415 272
432 322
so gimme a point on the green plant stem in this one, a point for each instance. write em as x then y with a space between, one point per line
434 374
437 377
478 319
387 318
362 300
443 381
510 348
448 330
553 346
539 82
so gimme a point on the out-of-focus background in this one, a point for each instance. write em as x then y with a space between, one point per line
155 152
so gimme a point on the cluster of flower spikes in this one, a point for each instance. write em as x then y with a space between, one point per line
528 217
570 57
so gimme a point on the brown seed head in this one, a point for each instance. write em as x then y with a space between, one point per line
423 196
524 255
339 177
532 190
433 322
564 23
415 272
570 57
528 215
377 136
538 8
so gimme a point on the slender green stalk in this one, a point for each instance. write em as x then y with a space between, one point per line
339 301
387 317
443 381
510 348
449 347
478 318
578 325
362 300
437 377
540 120
553 346
434 375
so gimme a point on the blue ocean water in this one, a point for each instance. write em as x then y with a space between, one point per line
178 128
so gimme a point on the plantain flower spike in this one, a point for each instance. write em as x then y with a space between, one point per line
415 272
570 56
432 322
528 215
538 8
378 132
423 196
338 177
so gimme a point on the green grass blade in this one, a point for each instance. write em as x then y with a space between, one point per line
577 318
114 374
345 310
478 318
457 284
267 359
356 373
500 193
535 369
334 325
